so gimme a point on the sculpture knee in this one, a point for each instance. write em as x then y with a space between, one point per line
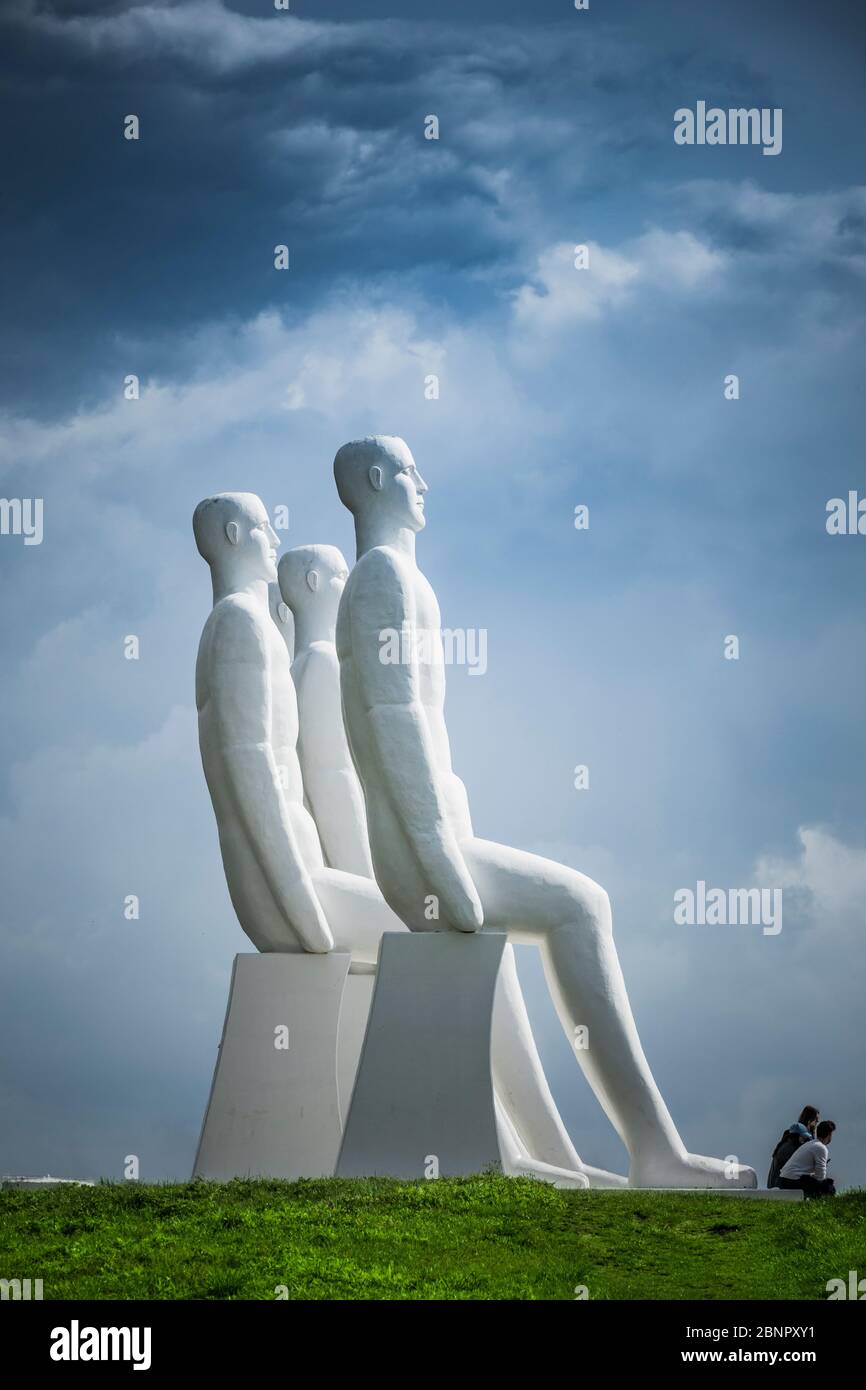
603 911
590 904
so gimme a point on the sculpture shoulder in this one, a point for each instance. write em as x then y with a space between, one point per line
316 667
381 571
237 630
321 657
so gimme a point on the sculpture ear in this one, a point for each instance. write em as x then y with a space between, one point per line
233 531
313 579
375 476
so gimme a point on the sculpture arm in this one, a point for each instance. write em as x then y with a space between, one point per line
241 705
381 602
330 780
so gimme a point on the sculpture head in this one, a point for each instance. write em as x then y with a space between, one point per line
312 578
377 479
234 534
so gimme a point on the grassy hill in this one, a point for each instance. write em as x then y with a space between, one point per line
474 1238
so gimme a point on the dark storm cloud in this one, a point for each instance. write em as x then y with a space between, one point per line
260 131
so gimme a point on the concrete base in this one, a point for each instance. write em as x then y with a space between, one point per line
423 1102
354 1015
275 1110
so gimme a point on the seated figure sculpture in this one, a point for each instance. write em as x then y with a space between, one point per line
423 845
287 898
312 579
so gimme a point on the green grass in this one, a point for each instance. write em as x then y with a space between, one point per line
474 1238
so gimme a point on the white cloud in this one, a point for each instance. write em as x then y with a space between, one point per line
559 294
831 876
802 228
203 32
354 362
266 368
677 260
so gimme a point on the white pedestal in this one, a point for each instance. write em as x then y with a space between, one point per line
354 1015
424 1090
274 1111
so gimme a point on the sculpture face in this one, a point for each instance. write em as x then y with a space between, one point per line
396 482
234 536
378 480
337 581
251 532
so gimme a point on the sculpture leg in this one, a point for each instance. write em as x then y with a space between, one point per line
568 917
357 914
516 1163
523 1092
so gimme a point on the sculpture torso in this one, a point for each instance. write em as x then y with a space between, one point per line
331 784
430 667
221 720
387 582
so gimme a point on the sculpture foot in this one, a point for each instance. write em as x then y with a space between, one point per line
545 1172
600 1177
690 1170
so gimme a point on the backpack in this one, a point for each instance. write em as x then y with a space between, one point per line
787 1145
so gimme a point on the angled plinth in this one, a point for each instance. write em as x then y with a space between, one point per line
274 1107
423 1098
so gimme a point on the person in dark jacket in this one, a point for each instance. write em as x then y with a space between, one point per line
797 1134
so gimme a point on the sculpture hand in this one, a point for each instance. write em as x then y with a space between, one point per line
459 903
312 927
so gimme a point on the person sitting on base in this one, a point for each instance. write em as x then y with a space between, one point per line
806 1169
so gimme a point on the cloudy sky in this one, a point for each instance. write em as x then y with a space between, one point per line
558 387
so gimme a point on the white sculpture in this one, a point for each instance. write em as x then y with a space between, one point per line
532 1136
282 616
425 852
285 897
312 579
